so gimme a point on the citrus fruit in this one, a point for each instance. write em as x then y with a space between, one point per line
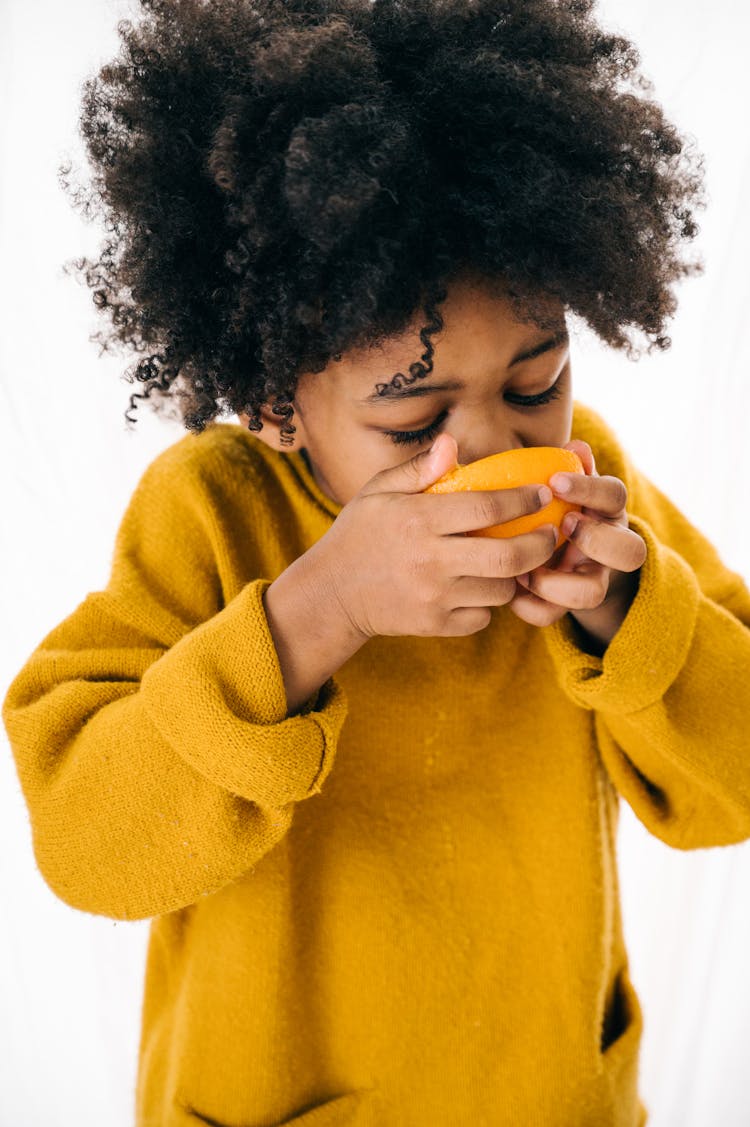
528 466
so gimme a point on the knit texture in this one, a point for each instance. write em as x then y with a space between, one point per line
399 907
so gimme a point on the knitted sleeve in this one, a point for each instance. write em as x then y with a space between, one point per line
149 728
671 694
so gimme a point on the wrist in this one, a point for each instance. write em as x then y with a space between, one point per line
311 635
597 627
321 602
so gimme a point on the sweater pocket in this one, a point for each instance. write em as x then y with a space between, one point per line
353 1109
620 1045
623 1022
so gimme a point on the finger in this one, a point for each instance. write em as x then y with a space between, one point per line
584 589
607 495
567 558
468 591
535 611
584 452
491 558
473 509
612 545
418 473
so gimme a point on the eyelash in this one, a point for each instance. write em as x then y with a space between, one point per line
403 437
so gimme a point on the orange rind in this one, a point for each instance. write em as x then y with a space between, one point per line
528 465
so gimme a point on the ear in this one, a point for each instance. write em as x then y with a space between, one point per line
271 432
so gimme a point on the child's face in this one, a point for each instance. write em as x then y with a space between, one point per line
345 438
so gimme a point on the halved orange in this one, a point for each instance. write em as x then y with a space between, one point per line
528 466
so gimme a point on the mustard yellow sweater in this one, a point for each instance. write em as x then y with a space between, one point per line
399 908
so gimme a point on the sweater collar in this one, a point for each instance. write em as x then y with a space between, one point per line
297 459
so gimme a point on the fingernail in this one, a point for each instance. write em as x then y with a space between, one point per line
545 494
569 524
560 483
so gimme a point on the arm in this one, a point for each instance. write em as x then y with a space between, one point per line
311 637
150 728
671 693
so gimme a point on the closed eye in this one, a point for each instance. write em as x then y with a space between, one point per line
404 437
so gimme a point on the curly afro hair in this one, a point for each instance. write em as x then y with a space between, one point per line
284 181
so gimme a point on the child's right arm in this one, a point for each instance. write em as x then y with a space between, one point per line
150 727
157 730
391 564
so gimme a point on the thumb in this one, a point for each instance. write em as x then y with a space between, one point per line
585 453
414 475
438 460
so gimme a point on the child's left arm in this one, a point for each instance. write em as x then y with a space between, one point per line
594 577
664 663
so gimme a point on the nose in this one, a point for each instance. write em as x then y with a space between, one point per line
480 437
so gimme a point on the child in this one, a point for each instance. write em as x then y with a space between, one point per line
363 771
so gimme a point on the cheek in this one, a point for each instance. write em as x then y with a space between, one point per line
552 430
374 453
565 433
371 454
350 464
564 420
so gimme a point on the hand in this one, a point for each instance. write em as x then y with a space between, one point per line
397 561
594 576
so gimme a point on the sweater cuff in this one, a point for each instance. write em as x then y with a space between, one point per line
231 724
650 648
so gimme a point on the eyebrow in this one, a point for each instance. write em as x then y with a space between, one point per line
416 390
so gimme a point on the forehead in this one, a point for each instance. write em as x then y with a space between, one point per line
478 329
479 325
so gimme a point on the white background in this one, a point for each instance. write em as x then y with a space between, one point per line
70 983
